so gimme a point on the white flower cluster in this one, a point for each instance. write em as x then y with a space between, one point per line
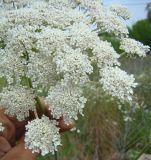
10 66
118 83
42 136
75 65
20 39
82 36
41 70
110 23
50 39
9 4
1 127
17 101
121 11
55 46
106 55
66 101
134 47
105 19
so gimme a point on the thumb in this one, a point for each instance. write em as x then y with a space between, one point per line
4 146
9 128
20 153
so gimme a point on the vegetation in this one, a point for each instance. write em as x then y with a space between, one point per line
141 31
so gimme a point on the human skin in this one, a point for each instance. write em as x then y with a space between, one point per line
12 138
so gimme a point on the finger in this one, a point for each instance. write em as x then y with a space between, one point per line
20 153
45 107
19 126
4 145
1 154
65 127
9 128
62 125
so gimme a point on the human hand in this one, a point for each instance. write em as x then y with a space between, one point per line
12 138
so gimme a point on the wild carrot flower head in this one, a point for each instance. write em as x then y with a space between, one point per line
54 48
42 136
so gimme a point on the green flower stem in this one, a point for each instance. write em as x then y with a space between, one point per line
39 106
56 155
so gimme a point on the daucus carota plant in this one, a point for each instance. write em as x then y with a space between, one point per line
51 47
